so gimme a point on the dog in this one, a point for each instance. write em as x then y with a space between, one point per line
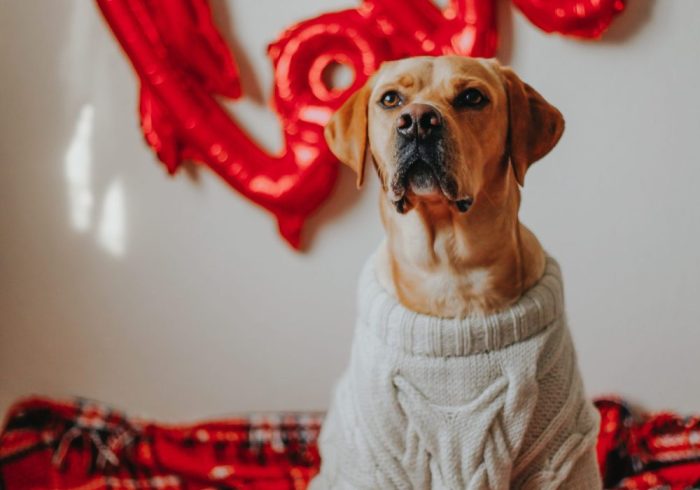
463 373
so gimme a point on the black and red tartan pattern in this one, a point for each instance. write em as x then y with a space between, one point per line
82 445
659 451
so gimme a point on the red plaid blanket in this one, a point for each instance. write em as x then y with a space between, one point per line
84 445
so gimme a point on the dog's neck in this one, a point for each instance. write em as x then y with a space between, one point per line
444 263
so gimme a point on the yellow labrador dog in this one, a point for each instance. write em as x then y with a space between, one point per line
462 372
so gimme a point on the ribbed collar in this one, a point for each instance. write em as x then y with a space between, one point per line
419 334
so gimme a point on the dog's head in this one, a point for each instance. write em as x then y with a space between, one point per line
443 129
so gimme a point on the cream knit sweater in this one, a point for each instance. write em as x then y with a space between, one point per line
492 402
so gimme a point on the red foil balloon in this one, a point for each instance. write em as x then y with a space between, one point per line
580 18
183 64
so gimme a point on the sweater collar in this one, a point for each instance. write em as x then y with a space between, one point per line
419 334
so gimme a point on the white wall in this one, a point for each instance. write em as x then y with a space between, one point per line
175 298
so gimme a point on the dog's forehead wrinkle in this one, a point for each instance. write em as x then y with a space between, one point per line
411 73
406 81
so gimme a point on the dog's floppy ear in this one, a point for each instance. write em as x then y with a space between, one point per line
535 125
346 132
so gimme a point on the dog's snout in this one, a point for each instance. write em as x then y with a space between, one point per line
419 121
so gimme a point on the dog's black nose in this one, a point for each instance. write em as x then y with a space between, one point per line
419 121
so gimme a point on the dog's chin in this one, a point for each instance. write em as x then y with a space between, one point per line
422 182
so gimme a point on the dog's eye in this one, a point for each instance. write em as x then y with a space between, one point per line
470 98
390 99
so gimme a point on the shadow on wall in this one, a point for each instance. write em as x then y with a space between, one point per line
505 31
344 195
636 15
249 82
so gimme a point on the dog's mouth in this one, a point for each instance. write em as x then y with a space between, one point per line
420 180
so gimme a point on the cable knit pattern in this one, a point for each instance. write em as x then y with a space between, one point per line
486 402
